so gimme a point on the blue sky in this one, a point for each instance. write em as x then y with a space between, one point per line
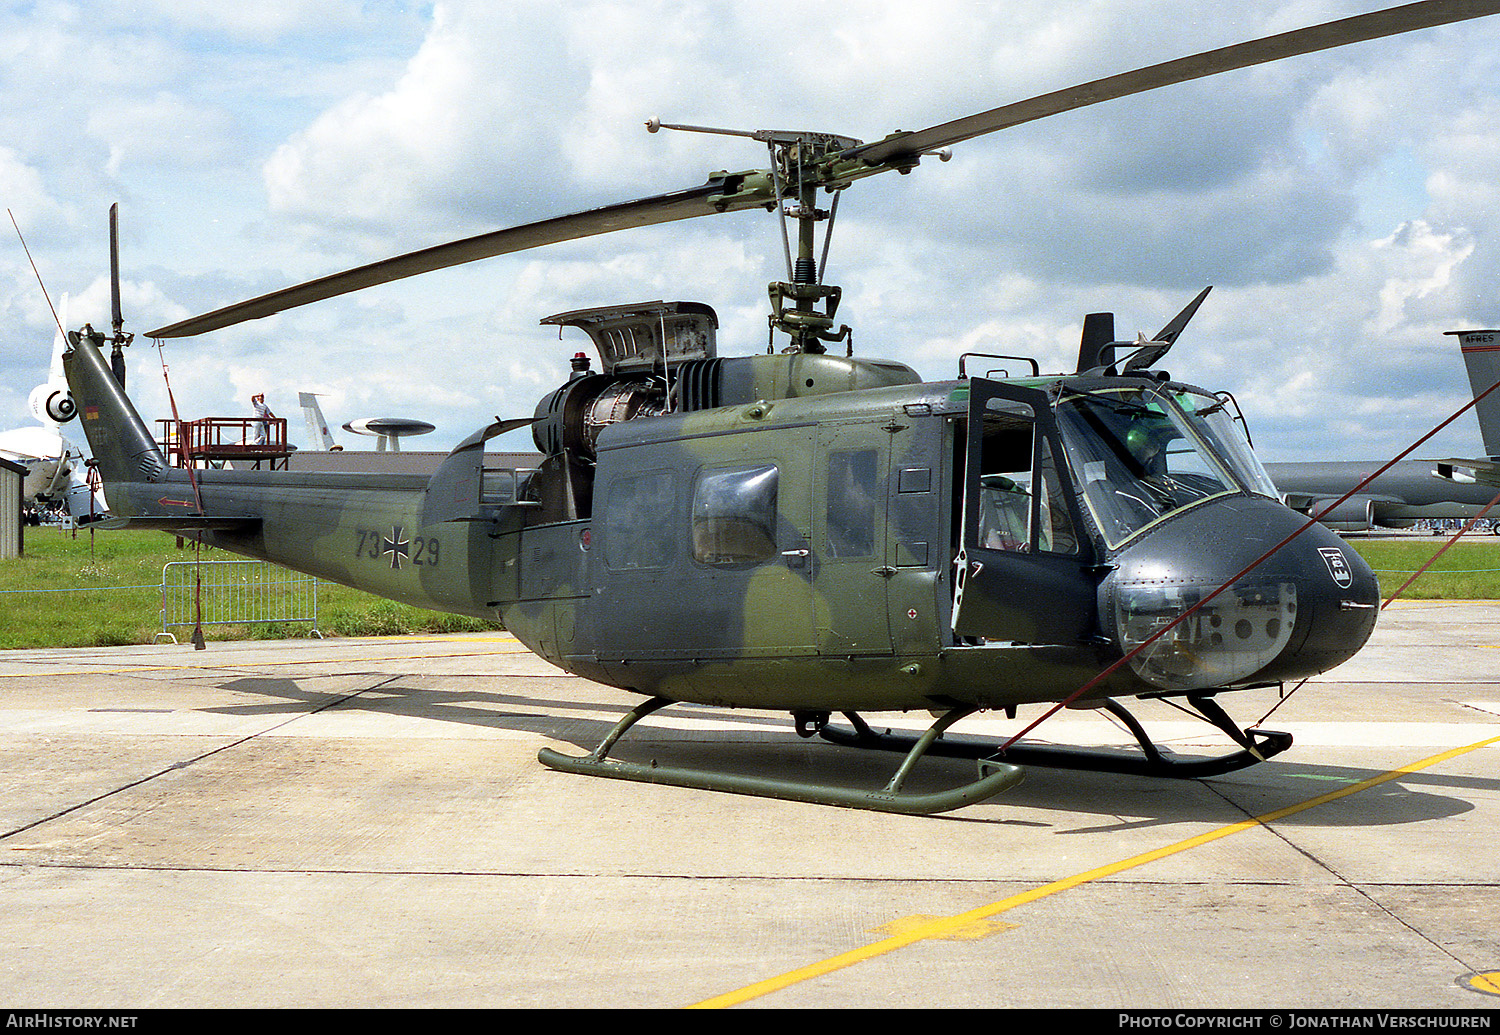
1344 205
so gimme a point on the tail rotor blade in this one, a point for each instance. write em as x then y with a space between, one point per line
114 270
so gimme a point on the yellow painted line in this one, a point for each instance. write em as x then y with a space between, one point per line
463 638
923 928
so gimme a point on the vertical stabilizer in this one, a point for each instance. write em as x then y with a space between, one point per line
123 449
1482 356
317 427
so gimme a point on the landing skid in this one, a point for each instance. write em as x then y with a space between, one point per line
1256 745
994 777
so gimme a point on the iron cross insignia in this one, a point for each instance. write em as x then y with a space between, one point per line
396 546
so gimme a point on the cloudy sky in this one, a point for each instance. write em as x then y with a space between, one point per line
1343 205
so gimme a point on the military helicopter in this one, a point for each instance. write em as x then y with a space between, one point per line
805 532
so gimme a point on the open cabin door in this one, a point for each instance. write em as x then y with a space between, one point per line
1021 564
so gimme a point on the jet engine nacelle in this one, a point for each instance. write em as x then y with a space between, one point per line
52 404
1355 514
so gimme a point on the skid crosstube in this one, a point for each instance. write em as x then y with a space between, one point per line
1257 745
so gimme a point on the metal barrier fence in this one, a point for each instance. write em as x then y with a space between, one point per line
234 593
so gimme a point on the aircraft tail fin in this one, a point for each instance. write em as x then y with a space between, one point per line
317 427
1481 351
51 403
55 374
123 449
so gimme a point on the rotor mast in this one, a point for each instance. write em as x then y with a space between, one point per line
800 164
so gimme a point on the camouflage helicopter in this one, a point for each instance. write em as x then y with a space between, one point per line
804 532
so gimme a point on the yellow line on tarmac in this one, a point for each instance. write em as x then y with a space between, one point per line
950 926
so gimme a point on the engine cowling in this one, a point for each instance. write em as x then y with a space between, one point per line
573 417
1355 514
52 404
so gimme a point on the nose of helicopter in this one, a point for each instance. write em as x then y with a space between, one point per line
1305 609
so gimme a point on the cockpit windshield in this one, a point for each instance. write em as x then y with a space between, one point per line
1142 453
1210 416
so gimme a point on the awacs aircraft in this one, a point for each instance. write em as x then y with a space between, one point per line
387 431
812 533
1410 489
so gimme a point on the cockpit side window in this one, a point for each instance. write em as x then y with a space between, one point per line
1055 532
1214 424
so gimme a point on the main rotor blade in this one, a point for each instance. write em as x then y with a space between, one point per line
723 193
664 208
1374 25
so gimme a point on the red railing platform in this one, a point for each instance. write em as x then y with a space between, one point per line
203 442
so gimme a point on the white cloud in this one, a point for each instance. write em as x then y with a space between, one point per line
259 23
24 192
1421 264
458 130
164 128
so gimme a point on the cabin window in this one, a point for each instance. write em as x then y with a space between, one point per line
853 491
1021 504
636 532
734 515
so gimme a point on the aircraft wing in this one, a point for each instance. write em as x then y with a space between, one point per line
1310 501
1483 469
